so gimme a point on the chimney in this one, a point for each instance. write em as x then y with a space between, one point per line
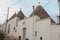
58 20
58 17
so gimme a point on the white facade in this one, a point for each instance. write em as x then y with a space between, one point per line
42 28
33 28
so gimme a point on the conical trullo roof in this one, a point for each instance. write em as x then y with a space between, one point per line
20 15
39 11
13 16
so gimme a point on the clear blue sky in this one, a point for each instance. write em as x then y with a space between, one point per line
51 6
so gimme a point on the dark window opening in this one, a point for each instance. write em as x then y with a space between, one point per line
27 39
23 22
14 28
35 33
24 33
24 28
40 38
19 37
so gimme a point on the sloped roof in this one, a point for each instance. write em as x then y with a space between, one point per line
19 14
58 0
52 21
39 11
13 16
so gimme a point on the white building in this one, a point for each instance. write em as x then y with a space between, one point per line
38 26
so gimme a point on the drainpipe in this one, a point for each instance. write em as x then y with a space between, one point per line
7 20
33 22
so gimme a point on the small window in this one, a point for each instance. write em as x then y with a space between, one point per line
40 38
24 33
23 22
24 28
27 39
19 37
35 33
14 28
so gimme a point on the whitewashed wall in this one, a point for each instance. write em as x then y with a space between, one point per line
55 30
12 24
43 28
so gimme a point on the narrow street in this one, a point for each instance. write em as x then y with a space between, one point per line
3 36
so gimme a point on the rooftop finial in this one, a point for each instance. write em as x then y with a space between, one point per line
39 3
33 7
20 9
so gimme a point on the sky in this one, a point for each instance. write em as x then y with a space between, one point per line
51 6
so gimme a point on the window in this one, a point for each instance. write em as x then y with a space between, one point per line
24 33
40 38
35 33
19 37
14 28
23 22
27 39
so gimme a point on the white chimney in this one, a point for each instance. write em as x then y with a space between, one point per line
59 5
58 19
